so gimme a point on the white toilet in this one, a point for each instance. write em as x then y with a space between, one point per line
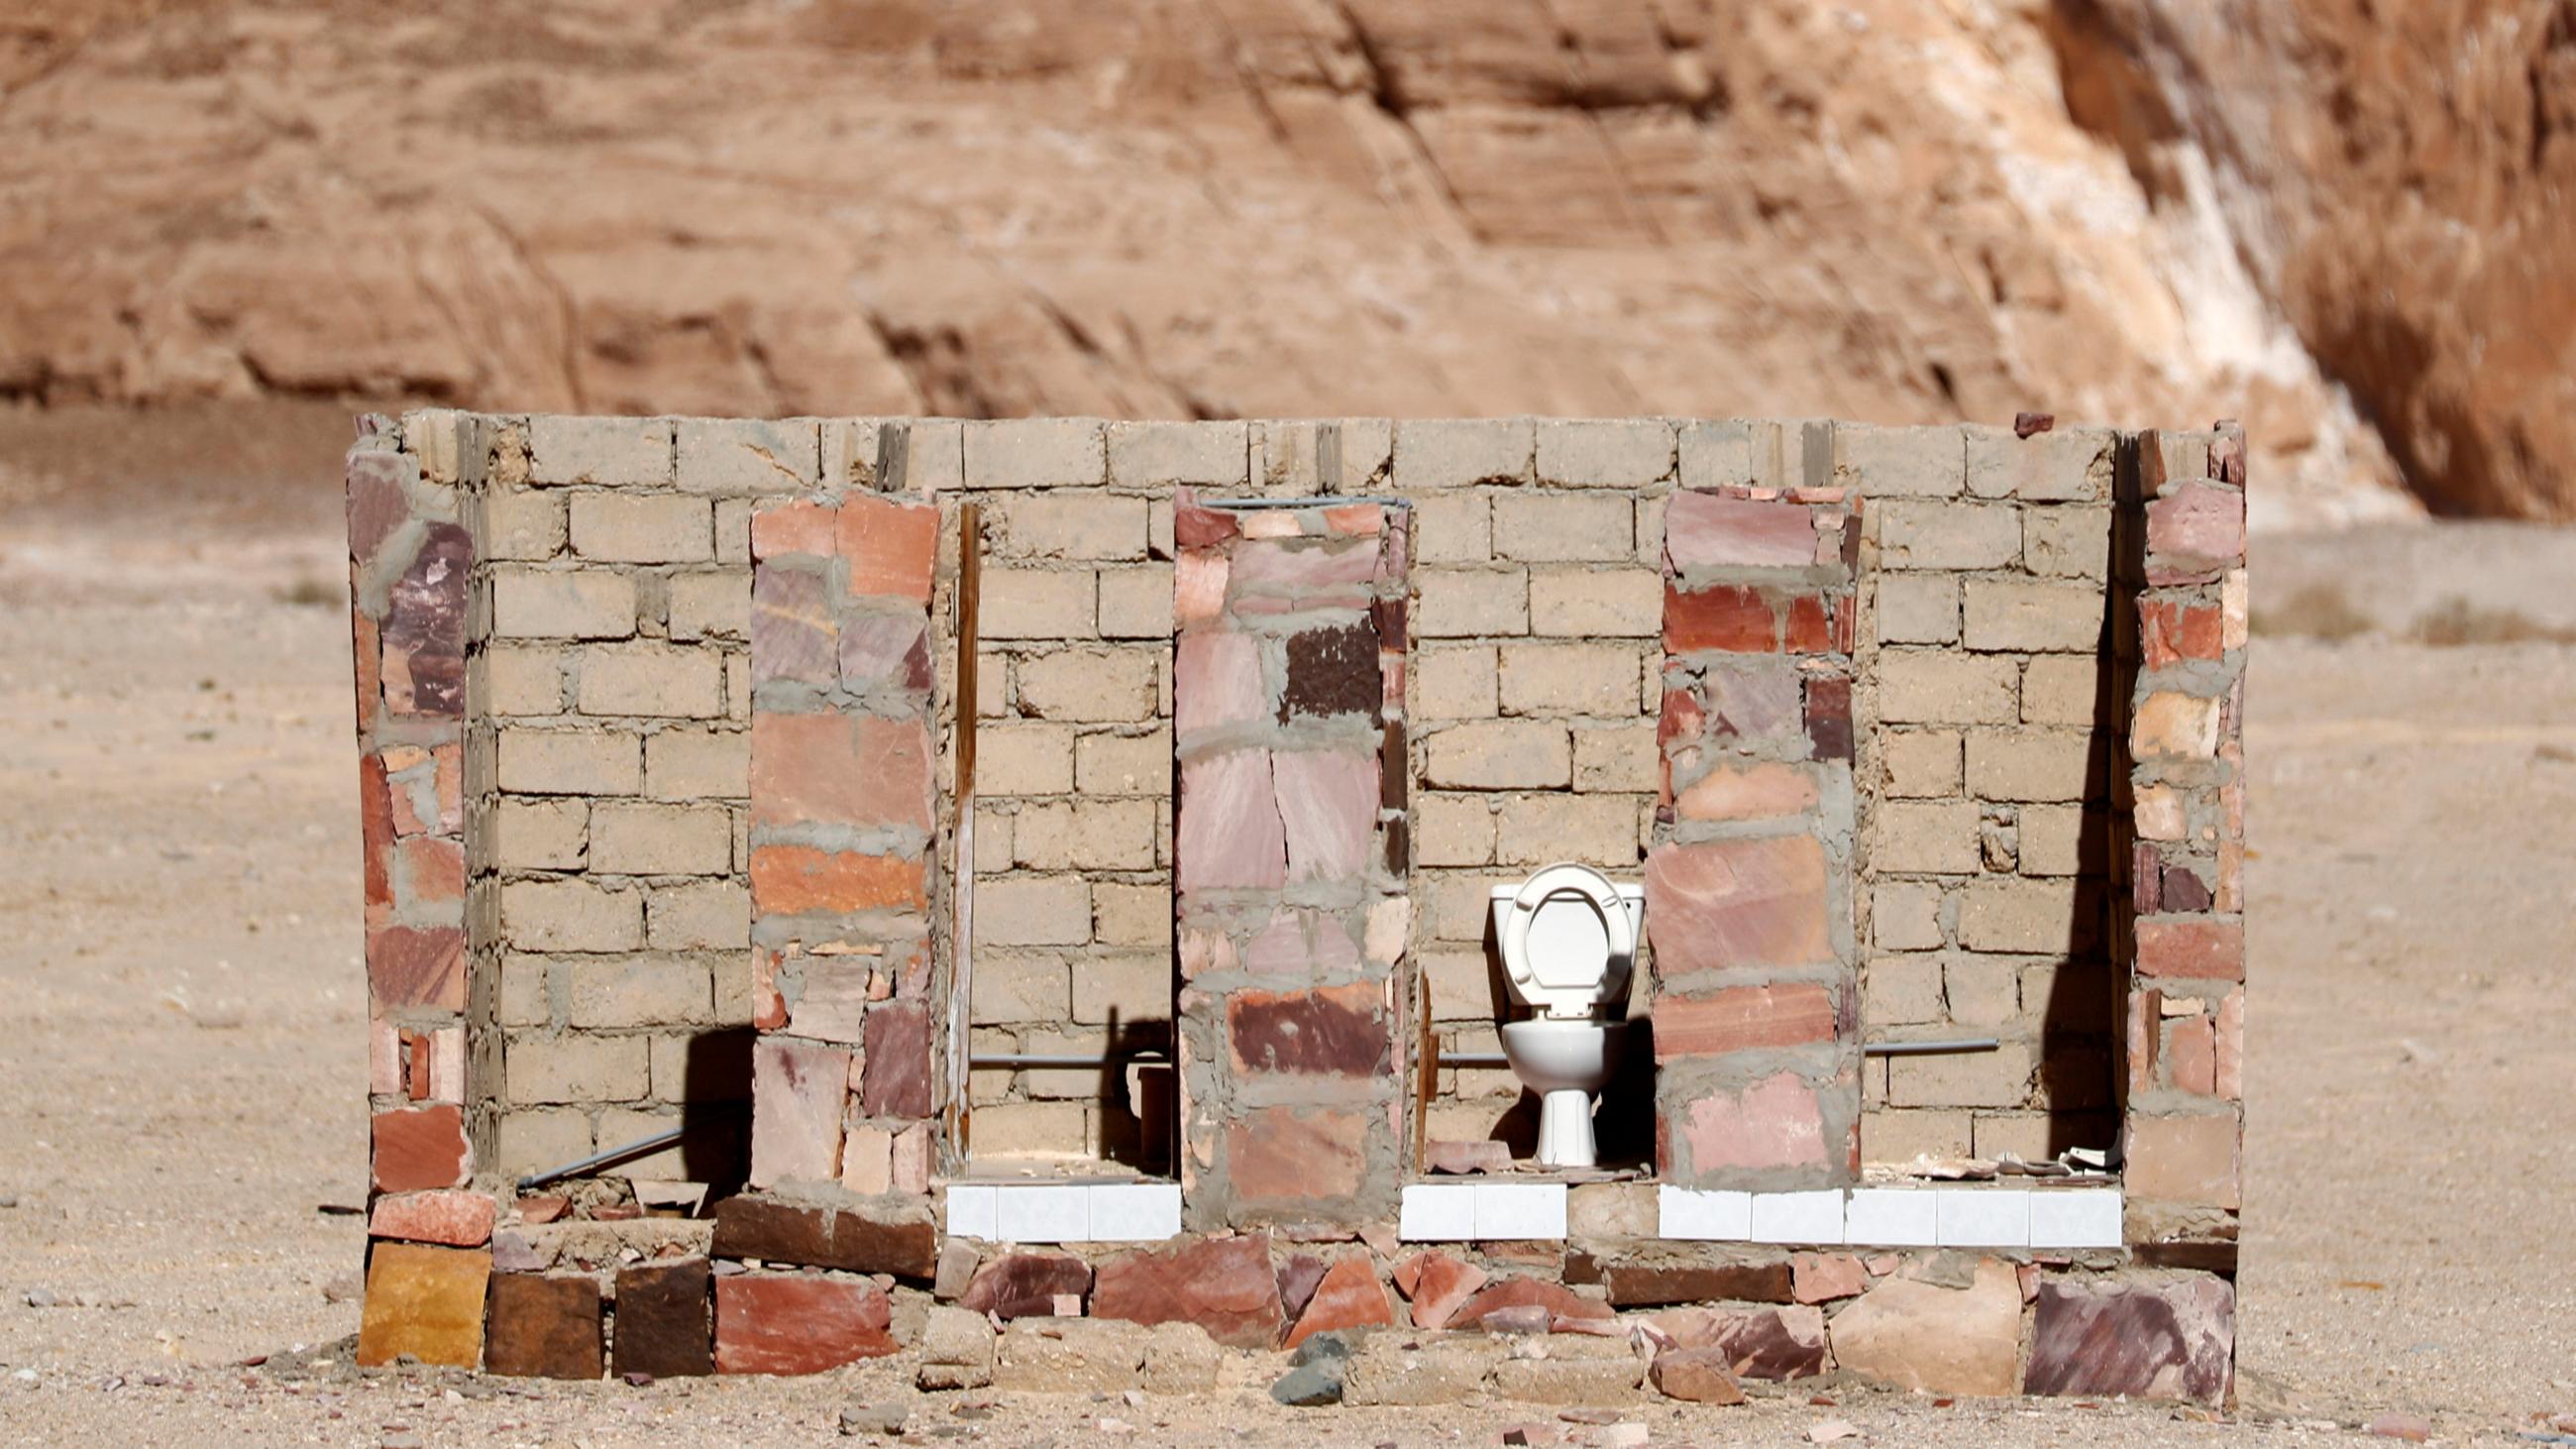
1569 940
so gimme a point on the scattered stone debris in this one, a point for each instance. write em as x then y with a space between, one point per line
1315 1372
882 1420
2408 1427
2031 424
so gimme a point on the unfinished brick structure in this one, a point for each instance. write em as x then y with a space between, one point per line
1149 928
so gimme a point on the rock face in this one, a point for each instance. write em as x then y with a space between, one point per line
1877 209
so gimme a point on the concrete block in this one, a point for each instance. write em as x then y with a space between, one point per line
636 838
1032 911
1918 608
1716 453
523 681
1124 764
1559 527
562 604
1906 916
1072 525
1923 462
1036 453
2052 839
1459 603
1605 452
701 915
1451 453
1499 755
568 762
1023 757
1085 835
1999 1078
1920 762
610 527
539 834
1011 988
1452 528
1926 837
527 992
2066 543
744 457
650 680
576 1069
1038 604
1537 829
2063 690
521 523
635 991
1161 455
1921 534
1615 758
2032 916
1462 985
1940 688
1131 915
2035 765
1453 830
1097 685
711 605
634 452
1622 603
695 764
1579 679
2065 464
1136 602
1452 682
1902 991
2004 614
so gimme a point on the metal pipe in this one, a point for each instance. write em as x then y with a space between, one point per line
1039 1059
1333 500
1874 1049
636 1148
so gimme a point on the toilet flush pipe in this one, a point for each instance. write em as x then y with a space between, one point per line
1874 1049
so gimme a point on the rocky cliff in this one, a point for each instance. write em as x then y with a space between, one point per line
1884 209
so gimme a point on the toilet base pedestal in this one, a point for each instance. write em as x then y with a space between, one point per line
1565 1130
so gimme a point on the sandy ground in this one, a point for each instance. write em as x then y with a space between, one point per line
182 1060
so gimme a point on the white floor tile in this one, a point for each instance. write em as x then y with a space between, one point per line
971 1213
1972 1217
1892 1217
1709 1215
1044 1214
1798 1217
1138 1212
2075 1217
1508 1211
1437 1213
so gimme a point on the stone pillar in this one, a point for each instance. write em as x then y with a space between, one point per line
1748 884
1288 688
410 561
842 827
2186 1008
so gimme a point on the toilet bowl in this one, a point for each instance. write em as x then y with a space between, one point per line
1569 941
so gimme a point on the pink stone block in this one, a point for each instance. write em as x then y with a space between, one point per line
458 1219
833 769
1755 902
1299 567
1198 587
1328 802
1217 681
897 1073
1776 1122
885 651
797 1091
1704 530
1231 836
2194 529
792 634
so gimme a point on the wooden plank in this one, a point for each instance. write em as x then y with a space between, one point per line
961 974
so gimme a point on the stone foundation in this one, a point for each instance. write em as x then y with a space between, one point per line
1913 735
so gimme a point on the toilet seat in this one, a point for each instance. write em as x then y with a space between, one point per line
1569 985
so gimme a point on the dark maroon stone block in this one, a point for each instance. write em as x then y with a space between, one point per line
424 625
782 1232
664 1326
542 1328
1297 1279
1650 1285
894 1081
1333 1031
1829 721
2169 1340
1332 671
2183 891
1025 1285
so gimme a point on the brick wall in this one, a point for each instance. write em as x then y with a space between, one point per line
596 750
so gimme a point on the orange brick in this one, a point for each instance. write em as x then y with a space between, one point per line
796 880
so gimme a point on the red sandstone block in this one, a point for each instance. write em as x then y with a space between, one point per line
1742 1018
543 1327
1224 1285
783 528
458 1219
1331 1031
891 547
375 835
1807 629
431 870
1829 718
834 769
420 1148
798 880
2172 631
417 966
804 1324
1350 1296
369 648
2192 946
1736 903
1728 617
1288 1155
